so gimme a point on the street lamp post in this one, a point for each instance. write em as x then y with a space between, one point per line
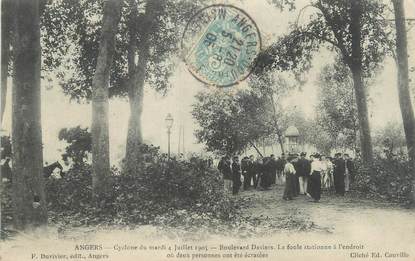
169 123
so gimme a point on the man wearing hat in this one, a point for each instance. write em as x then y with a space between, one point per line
303 170
236 175
280 164
224 167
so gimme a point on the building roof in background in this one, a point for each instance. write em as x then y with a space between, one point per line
292 131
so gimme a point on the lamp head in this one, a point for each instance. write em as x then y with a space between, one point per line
169 121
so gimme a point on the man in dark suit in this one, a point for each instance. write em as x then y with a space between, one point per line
251 175
245 172
280 168
257 170
273 169
339 170
303 171
236 175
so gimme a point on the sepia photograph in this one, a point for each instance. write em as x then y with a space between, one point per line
207 130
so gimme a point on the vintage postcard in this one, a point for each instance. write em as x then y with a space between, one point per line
207 130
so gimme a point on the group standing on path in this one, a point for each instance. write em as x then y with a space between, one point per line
299 175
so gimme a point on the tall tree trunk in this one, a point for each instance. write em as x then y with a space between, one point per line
403 83
28 186
281 142
100 84
134 135
279 132
6 25
359 87
137 75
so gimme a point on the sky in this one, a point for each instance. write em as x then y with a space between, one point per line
59 112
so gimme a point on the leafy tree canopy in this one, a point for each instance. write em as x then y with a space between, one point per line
329 26
79 144
336 108
72 30
232 121
390 138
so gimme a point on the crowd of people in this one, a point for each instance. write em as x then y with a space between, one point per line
299 174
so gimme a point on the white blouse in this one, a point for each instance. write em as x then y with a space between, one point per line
289 168
316 165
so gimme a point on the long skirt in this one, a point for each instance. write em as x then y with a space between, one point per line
289 187
314 185
265 180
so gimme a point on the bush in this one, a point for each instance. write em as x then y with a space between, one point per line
70 196
389 178
161 187
6 208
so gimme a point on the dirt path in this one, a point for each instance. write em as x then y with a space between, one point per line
335 214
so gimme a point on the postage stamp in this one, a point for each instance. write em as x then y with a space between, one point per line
220 44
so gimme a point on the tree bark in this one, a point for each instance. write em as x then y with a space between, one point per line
137 76
257 150
6 26
28 196
279 135
100 84
281 142
403 83
355 65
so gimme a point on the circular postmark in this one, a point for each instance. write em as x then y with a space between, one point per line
220 44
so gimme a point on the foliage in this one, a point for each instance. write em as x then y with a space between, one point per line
282 4
163 187
71 194
79 144
229 122
219 128
310 131
273 88
72 30
329 26
319 138
336 109
390 138
6 207
389 178
6 147
232 121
